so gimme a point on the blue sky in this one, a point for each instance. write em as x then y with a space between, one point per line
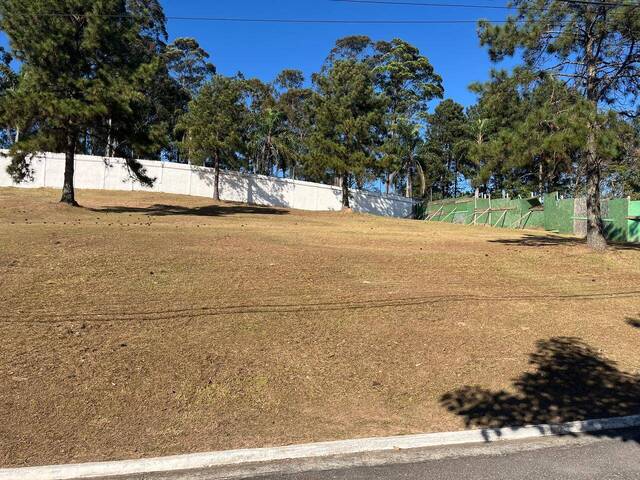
263 50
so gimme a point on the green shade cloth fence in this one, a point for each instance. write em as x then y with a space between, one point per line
568 216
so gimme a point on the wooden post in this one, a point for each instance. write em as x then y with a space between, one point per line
432 216
452 211
475 208
519 221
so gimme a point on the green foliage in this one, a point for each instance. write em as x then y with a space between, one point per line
8 82
406 77
269 141
349 116
295 103
529 133
445 150
409 82
594 48
591 45
80 73
213 125
188 63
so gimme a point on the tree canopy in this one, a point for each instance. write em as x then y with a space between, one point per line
81 76
563 119
593 48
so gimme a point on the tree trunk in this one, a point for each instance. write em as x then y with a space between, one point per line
345 191
455 179
423 181
68 192
540 179
216 178
17 139
595 229
109 140
387 183
391 178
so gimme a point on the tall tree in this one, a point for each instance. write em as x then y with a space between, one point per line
189 64
409 81
348 120
533 134
594 46
78 70
543 146
445 146
497 110
623 176
403 149
272 143
8 82
214 125
187 69
294 102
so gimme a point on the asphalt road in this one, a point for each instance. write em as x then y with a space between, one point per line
581 458
602 456
605 460
607 456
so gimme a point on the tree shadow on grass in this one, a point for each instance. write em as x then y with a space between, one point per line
532 240
633 322
570 381
161 210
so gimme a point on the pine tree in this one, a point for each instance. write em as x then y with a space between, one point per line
189 64
83 62
592 45
445 146
214 125
348 120
409 81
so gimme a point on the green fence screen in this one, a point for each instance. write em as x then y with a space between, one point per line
567 216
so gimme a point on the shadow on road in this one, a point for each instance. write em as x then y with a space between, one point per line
161 210
532 240
569 381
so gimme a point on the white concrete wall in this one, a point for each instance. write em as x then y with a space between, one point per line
112 174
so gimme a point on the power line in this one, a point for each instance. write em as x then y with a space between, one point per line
474 5
277 20
425 4
600 4
329 21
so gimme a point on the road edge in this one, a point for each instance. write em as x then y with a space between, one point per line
310 450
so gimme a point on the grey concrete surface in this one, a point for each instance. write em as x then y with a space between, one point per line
605 456
604 460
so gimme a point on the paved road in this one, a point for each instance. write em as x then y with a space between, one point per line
613 456
599 461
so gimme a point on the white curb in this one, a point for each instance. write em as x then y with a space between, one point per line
310 450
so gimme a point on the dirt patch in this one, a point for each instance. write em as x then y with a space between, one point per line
149 324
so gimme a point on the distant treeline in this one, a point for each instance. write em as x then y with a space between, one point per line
102 80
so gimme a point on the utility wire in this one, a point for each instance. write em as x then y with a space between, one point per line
473 5
425 4
344 21
274 20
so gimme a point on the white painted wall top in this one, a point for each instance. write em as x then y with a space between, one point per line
100 173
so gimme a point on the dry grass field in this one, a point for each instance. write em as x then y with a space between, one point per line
148 324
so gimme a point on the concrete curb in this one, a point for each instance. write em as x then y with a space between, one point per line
310 450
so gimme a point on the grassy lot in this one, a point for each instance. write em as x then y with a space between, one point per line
148 324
